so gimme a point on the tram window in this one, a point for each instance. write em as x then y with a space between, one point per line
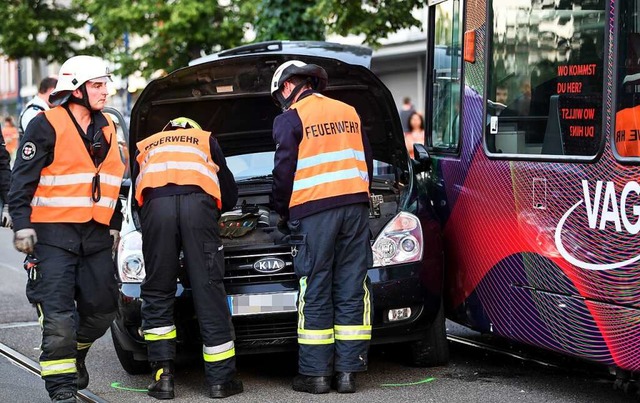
545 78
447 59
626 138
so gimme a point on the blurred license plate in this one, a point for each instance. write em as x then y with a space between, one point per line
255 304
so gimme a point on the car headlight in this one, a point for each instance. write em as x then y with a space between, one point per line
399 242
130 260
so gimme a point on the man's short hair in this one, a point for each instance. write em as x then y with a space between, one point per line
47 83
296 80
406 100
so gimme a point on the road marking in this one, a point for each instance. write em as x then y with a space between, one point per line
12 268
426 380
18 324
116 385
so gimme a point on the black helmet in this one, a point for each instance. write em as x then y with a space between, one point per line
317 78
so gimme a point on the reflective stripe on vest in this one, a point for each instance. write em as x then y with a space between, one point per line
331 160
56 367
181 157
160 333
72 202
64 192
219 352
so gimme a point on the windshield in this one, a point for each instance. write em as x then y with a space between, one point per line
256 165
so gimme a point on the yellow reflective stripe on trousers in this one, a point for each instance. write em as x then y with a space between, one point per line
83 346
40 316
219 352
366 314
160 333
55 367
321 336
352 332
303 289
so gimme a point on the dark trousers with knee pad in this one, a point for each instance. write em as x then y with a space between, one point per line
76 299
187 222
332 255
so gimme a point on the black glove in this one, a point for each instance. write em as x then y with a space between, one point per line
283 226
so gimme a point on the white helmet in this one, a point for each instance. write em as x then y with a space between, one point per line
75 72
317 78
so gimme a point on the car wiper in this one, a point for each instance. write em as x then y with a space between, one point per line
259 178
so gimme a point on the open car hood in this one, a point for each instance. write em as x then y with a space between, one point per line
228 94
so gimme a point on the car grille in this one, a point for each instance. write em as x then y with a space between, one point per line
239 265
250 330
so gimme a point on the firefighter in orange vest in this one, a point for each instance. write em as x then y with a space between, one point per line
64 203
627 133
321 188
182 187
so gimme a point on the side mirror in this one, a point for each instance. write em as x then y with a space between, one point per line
124 188
421 160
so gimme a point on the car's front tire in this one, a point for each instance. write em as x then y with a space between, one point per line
433 349
127 360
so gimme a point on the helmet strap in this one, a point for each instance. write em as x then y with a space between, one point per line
285 103
84 101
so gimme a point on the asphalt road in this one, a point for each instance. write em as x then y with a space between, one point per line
473 375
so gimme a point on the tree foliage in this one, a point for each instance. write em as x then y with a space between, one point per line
150 35
40 29
288 19
165 34
311 19
375 19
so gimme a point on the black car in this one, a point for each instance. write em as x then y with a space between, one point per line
228 94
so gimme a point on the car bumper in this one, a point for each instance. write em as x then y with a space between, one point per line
392 288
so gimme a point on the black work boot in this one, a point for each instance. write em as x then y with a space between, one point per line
162 385
311 384
83 375
344 382
64 396
233 387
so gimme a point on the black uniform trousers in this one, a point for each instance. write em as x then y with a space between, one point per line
76 299
187 222
332 254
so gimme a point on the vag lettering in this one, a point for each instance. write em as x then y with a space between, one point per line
604 208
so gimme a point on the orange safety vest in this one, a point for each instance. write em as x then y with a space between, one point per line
64 193
627 134
181 157
331 159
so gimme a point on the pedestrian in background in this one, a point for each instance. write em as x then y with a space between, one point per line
39 103
5 177
415 133
405 111
11 139
322 167
64 201
182 187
